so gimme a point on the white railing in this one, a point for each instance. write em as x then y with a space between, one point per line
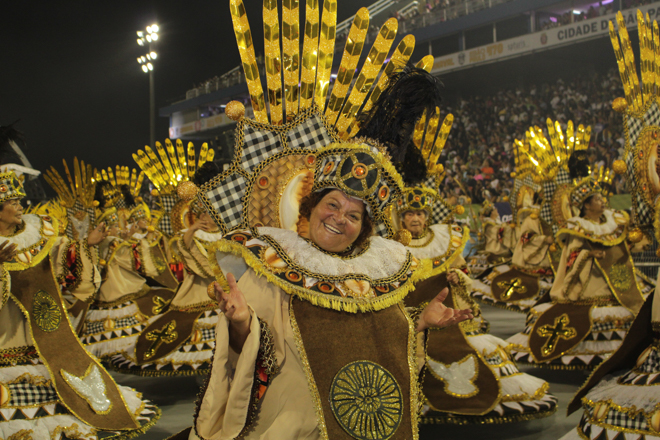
374 9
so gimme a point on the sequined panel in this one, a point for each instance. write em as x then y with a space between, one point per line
273 60
326 52
310 54
290 54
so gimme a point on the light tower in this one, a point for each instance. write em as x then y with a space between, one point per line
148 39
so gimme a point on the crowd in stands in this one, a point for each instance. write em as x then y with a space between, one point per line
479 152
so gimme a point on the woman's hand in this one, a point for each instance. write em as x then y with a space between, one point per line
452 278
7 251
97 235
549 239
235 308
435 314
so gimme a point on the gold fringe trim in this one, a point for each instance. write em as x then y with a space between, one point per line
350 305
139 431
451 419
160 373
620 239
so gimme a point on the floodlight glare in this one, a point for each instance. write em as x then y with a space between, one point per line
140 34
154 55
154 28
143 59
154 36
149 29
149 57
149 38
150 66
145 68
140 41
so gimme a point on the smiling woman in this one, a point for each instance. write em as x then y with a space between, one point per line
337 222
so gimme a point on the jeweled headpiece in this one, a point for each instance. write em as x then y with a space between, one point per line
10 187
641 115
139 211
168 171
293 145
109 216
121 176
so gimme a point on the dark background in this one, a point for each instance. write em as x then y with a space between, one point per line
69 70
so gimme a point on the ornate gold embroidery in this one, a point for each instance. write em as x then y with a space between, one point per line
47 314
512 286
560 330
621 277
166 334
366 400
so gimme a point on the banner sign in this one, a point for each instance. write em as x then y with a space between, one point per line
542 40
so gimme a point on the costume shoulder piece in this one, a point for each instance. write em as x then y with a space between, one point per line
372 279
33 240
611 232
442 245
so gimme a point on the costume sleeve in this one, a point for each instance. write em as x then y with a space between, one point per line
195 258
5 285
135 255
228 403
574 270
534 247
74 266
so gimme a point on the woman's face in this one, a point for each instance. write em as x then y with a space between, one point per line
414 221
336 221
12 212
596 205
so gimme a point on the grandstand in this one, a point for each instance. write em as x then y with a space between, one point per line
482 48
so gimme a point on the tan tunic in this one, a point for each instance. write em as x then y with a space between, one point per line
286 409
498 243
14 330
531 253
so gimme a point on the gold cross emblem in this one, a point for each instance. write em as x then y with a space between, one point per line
160 305
165 334
560 330
511 286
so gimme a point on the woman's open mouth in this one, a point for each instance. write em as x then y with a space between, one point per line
331 229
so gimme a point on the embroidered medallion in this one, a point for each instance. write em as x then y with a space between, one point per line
166 334
621 277
46 312
91 388
366 400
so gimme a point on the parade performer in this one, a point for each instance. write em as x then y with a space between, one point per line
468 377
322 308
125 302
620 399
595 295
529 276
50 386
192 315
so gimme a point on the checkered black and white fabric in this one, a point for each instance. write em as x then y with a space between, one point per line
257 146
621 420
546 208
26 394
310 134
651 363
441 212
227 200
166 203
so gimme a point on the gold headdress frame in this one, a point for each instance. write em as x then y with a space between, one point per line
80 187
430 137
545 156
597 182
295 86
172 166
122 176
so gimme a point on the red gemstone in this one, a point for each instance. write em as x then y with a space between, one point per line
311 159
263 181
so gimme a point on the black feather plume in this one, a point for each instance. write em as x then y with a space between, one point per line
391 121
578 165
7 152
205 173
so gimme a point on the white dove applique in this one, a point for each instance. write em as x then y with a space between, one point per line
91 388
458 377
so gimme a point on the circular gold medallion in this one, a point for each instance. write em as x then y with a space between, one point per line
46 313
366 400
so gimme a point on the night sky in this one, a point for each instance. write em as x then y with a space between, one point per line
70 72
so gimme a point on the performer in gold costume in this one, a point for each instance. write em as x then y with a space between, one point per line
50 386
468 377
620 399
318 301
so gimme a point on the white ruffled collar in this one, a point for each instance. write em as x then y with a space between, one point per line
435 246
383 258
613 219
32 234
